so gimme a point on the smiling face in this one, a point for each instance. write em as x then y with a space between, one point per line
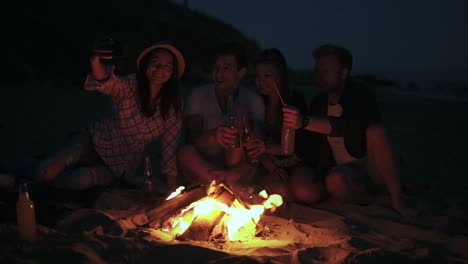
226 74
266 73
160 67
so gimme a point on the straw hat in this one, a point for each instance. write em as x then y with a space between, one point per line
178 56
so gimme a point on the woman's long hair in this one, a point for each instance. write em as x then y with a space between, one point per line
168 93
276 58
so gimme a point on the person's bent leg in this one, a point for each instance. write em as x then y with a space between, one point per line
67 155
348 183
383 159
194 166
386 165
305 186
282 188
82 178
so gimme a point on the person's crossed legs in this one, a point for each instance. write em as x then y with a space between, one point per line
305 186
85 177
75 165
349 183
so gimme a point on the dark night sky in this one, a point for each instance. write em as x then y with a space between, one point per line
384 36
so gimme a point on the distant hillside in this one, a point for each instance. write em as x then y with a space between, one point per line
49 43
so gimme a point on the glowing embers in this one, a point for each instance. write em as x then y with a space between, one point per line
220 215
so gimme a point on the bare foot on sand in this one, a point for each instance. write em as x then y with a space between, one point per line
404 210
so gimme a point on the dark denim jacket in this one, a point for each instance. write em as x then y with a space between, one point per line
360 110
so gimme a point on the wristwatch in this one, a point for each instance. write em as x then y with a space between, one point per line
305 121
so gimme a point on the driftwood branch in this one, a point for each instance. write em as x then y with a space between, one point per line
170 207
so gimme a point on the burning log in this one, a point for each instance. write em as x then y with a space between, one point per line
170 207
216 213
202 226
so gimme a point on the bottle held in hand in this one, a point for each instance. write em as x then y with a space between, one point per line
233 120
246 137
288 139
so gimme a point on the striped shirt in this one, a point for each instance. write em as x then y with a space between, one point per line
121 139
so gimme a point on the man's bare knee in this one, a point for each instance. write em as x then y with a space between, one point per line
310 193
306 188
335 184
281 189
346 183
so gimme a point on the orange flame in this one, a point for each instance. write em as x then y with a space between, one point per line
237 216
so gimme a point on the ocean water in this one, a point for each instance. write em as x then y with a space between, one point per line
444 85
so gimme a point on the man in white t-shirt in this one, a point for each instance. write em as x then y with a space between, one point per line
209 153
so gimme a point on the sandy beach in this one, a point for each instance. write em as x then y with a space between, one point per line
329 233
428 133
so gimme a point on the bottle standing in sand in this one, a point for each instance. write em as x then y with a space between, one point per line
288 139
26 215
148 192
233 120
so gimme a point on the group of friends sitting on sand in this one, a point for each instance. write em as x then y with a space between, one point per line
341 147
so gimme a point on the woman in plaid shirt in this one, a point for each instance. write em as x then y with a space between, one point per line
146 107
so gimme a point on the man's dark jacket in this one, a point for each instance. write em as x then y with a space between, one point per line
360 110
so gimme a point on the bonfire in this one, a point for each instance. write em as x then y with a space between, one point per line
213 213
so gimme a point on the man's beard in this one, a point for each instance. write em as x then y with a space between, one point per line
328 89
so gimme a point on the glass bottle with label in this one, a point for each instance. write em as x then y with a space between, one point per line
26 215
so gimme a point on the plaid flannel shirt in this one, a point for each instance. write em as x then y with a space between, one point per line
121 139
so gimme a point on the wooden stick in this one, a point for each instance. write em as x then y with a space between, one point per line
170 207
277 91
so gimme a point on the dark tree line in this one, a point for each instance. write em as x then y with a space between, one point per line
49 42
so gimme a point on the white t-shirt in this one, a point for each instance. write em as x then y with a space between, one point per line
202 100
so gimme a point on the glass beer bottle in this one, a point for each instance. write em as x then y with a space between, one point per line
246 137
288 139
148 191
232 120
25 213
